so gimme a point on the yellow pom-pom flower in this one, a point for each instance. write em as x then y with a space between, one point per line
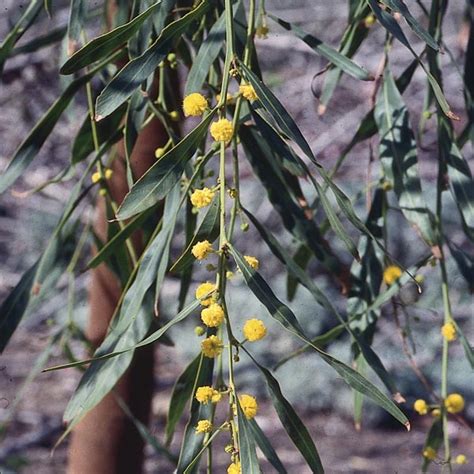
461 459
222 130
194 105
159 152
234 468
211 346
248 92
262 31
254 330
204 289
369 20
207 394
202 197
436 412
454 403
448 331
204 426
96 177
421 407
202 249
213 315
391 274
429 453
249 405
108 173
252 261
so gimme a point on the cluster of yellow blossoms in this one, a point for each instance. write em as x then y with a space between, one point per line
97 176
391 274
448 331
202 197
454 403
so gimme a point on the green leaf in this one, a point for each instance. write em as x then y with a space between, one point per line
391 25
433 440
281 313
35 140
398 155
332 55
111 246
192 441
208 229
155 184
277 111
465 263
105 44
76 22
267 449
207 54
182 392
145 432
53 36
248 456
292 423
121 87
19 30
299 274
400 7
108 130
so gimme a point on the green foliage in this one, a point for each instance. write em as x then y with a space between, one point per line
242 118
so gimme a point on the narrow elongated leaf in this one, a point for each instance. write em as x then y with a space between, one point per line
19 30
192 441
248 455
182 392
465 263
265 446
83 144
398 155
400 7
53 36
433 440
331 54
105 44
292 423
299 274
121 87
391 25
207 54
277 111
77 18
281 313
155 184
468 348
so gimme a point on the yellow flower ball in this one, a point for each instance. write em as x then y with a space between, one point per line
96 177
254 330
252 261
454 403
429 453
448 331
202 249
436 412
159 152
108 173
248 92
102 192
461 459
391 274
249 405
211 346
207 394
222 130
261 31
369 20
204 426
202 197
234 468
421 407
174 115
213 315
194 105
204 289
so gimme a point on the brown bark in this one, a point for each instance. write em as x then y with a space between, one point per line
106 441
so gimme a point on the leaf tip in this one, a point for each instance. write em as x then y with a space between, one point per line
452 115
398 397
98 117
407 425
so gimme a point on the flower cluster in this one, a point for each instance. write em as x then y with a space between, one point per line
202 249
249 405
203 290
448 331
208 394
254 330
194 105
248 92
204 426
202 197
212 346
391 274
213 316
222 130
